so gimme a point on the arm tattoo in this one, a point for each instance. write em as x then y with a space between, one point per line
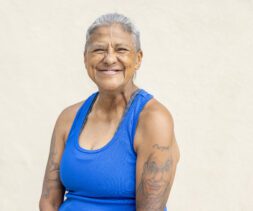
52 180
161 147
155 184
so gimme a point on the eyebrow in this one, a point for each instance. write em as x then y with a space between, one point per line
96 44
122 45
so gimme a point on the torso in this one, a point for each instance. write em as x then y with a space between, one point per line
98 132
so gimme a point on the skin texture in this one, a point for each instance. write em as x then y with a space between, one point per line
157 157
52 190
112 48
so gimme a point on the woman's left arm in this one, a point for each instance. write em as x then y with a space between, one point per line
157 158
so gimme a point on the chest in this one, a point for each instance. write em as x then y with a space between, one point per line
111 172
96 133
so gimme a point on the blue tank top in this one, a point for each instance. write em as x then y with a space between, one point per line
102 179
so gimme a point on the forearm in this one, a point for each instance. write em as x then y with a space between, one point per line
46 206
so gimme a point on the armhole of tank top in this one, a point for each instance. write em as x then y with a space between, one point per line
78 113
136 118
75 120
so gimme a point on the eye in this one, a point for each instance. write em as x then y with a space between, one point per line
98 50
122 50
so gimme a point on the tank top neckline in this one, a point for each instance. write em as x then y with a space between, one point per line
83 120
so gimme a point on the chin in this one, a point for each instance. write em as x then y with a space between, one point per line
109 87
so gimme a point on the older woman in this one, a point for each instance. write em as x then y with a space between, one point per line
116 150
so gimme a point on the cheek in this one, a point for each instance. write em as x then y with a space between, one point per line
93 61
129 63
90 66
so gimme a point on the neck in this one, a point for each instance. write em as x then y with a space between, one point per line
114 101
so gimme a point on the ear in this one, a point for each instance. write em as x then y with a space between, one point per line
139 59
85 57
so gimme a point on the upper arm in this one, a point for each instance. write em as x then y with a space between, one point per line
157 158
52 190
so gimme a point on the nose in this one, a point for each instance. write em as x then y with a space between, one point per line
110 57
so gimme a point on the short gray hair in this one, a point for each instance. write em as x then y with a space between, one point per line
111 18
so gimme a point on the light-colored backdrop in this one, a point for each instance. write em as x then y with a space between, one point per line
198 60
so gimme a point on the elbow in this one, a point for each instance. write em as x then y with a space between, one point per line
41 205
178 157
45 205
177 153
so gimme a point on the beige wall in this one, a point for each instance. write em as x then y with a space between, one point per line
198 60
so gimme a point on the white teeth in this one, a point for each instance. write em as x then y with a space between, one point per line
109 72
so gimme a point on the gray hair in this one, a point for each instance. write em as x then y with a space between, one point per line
111 18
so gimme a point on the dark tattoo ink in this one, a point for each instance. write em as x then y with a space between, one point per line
161 147
52 180
155 184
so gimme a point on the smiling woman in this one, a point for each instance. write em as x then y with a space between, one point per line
115 150
110 51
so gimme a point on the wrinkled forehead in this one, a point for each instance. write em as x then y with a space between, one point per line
115 34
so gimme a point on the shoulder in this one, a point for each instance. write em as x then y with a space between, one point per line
156 116
155 127
66 117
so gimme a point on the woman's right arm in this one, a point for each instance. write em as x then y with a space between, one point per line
53 191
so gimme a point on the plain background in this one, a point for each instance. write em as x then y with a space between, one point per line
198 60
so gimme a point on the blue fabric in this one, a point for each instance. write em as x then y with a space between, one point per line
102 179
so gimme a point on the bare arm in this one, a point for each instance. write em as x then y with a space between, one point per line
157 158
53 191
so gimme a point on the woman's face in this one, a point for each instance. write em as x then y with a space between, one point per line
110 57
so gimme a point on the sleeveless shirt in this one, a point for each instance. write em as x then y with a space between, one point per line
102 179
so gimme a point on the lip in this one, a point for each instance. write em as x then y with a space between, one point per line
109 71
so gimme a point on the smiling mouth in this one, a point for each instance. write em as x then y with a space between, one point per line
109 71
